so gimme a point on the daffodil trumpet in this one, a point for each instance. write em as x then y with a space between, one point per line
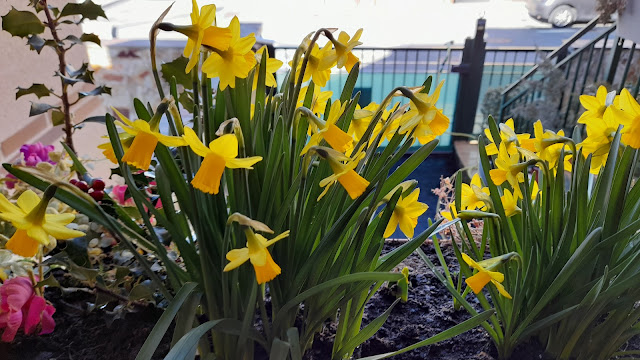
33 225
220 154
255 250
343 168
328 130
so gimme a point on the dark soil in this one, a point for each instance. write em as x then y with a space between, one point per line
82 335
429 310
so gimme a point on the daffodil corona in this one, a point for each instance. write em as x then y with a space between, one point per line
33 225
144 142
222 153
327 130
343 172
424 118
255 251
478 281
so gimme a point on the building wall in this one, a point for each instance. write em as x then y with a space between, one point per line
23 67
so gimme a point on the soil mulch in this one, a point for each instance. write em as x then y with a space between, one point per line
428 311
80 335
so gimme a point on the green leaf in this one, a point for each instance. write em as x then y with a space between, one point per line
447 334
279 350
155 336
141 292
141 111
49 281
366 333
187 343
350 84
57 117
176 68
40 108
427 85
91 38
21 23
39 90
96 92
88 10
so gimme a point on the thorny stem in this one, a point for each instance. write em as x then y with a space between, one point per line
62 66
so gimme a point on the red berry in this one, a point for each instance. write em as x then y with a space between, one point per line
73 181
97 184
82 186
97 195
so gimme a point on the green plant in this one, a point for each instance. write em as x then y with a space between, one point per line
329 196
26 24
568 251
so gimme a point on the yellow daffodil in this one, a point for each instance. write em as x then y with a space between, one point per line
596 105
222 153
343 55
317 70
33 225
478 281
318 103
629 117
234 62
548 145
509 138
272 66
343 171
201 22
474 195
510 203
361 120
406 214
107 148
256 252
327 130
451 214
600 133
423 116
146 138
508 169
318 99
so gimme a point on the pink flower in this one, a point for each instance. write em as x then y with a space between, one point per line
118 194
36 153
32 154
20 307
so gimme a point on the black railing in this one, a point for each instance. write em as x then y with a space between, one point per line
553 87
382 69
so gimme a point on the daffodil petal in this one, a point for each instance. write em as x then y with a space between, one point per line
28 200
236 257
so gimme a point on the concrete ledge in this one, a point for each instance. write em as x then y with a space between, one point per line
467 156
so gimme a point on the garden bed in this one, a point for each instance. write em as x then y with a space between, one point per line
429 310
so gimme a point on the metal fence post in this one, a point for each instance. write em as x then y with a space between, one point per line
470 71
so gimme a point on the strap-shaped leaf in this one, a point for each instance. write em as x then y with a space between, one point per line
160 328
447 334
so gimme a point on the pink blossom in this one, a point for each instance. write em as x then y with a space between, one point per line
36 153
20 307
118 195
32 154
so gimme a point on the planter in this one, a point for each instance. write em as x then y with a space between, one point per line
629 21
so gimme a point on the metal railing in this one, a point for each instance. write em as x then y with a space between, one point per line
382 69
551 90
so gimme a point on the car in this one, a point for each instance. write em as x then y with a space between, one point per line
562 13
